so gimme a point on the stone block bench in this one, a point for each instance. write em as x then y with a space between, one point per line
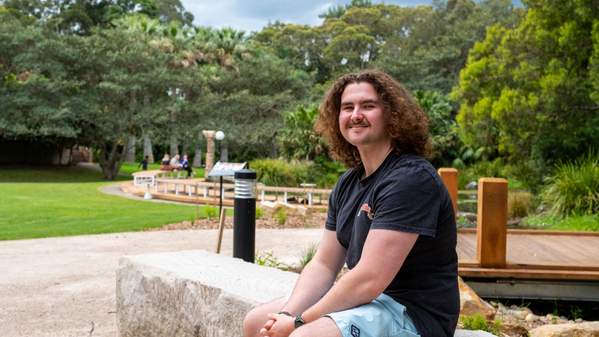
196 294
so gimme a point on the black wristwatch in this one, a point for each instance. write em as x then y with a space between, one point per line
299 321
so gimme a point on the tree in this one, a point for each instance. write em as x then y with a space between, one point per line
300 45
529 91
36 87
298 139
246 101
81 16
335 12
432 43
423 46
443 128
121 66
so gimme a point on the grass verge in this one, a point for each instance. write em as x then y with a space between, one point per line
38 202
586 223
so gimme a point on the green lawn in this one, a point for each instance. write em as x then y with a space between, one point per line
586 223
43 202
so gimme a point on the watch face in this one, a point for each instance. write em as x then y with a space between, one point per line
299 321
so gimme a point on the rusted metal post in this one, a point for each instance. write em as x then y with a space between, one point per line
450 179
491 222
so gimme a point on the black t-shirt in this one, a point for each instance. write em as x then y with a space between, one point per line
405 194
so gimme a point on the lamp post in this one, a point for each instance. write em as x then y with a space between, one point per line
244 217
219 135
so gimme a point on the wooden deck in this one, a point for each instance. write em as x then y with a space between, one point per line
536 255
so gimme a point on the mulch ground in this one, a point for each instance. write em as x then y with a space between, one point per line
313 220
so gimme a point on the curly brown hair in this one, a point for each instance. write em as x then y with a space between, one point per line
407 124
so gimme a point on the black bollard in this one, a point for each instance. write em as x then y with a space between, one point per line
244 218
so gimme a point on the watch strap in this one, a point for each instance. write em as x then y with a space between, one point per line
299 321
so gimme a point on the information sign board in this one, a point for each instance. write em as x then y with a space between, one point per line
221 169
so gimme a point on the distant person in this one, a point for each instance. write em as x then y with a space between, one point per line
165 163
144 163
185 165
174 163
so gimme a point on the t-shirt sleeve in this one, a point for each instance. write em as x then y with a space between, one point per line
408 200
331 223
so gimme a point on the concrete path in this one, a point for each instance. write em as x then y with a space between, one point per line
65 287
115 189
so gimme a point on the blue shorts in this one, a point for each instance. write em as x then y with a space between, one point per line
383 317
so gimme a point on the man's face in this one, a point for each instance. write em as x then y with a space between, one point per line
361 119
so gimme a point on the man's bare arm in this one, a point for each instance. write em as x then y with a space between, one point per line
318 275
382 256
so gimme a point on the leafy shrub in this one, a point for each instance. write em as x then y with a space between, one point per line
466 156
326 172
574 187
281 216
307 255
279 172
298 139
464 222
267 259
519 204
259 213
494 169
211 212
479 322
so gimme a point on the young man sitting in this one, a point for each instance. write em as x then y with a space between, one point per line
390 219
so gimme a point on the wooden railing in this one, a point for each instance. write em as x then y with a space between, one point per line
491 210
206 189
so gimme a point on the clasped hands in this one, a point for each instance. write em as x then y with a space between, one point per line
278 325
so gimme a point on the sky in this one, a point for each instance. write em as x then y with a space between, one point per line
253 15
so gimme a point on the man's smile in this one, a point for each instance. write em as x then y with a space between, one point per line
361 125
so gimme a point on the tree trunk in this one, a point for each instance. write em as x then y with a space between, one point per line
174 145
273 150
197 156
65 156
148 148
110 159
224 152
131 145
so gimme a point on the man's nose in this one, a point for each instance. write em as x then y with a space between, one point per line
357 115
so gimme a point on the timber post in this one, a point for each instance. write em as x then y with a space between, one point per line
450 179
491 222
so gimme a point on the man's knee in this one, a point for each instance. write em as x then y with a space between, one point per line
255 319
252 322
302 333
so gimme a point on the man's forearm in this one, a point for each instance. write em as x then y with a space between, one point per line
382 257
353 289
314 281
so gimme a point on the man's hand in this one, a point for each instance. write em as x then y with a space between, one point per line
278 325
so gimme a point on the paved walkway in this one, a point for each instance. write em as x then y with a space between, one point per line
65 287
115 189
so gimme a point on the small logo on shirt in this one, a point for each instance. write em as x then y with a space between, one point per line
366 209
355 332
